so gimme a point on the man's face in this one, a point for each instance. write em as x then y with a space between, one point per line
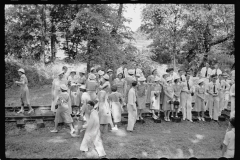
90 107
214 79
188 76
181 72
207 65
216 66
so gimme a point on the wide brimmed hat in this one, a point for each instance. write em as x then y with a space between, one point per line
131 71
225 75
100 72
73 71
168 79
63 87
141 79
109 70
92 68
154 69
82 71
21 70
82 87
200 81
92 76
62 72
106 77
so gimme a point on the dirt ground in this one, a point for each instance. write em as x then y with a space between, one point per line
149 140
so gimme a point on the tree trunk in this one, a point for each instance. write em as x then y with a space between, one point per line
115 28
43 18
53 37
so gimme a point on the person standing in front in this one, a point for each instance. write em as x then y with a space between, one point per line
213 102
232 94
216 71
92 133
116 102
168 99
186 98
131 107
177 88
85 98
129 79
224 90
228 146
199 102
63 113
56 90
24 92
120 83
155 98
141 96
92 86
110 74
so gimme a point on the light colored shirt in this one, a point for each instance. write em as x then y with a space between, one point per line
211 85
218 72
232 90
185 87
132 97
229 139
203 72
85 98
225 85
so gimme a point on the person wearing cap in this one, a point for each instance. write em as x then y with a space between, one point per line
24 91
105 84
155 98
100 75
213 101
177 88
121 85
56 90
64 70
232 95
103 105
199 102
116 102
73 88
63 113
228 145
84 111
92 86
225 87
131 107
129 79
168 98
186 98
181 75
92 133
141 91
110 74
82 78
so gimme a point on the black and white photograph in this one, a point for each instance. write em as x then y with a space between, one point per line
119 81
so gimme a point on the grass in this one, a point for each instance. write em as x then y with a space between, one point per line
149 140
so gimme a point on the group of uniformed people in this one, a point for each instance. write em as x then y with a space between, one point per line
100 98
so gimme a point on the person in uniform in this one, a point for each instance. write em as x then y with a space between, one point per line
177 88
228 146
131 107
224 90
116 102
232 95
155 98
181 75
92 133
213 102
110 74
186 98
168 99
129 79
63 113
199 102
84 112
105 84
216 71
56 90
141 96
120 83
92 86
24 92
103 105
